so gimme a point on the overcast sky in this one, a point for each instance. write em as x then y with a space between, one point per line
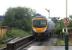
56 7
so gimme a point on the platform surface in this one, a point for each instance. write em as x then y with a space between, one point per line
48 48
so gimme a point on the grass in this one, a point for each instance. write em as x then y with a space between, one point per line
18 33
60 43
2 45
70 42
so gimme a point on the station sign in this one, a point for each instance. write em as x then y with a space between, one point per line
66 22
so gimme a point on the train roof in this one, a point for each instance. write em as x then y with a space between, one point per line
40 17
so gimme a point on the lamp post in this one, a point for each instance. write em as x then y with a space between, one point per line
66 32
66 8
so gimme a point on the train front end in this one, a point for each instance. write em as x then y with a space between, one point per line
39 27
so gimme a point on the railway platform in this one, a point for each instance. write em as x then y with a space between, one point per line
48 48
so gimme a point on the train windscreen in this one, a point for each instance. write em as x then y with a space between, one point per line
39 23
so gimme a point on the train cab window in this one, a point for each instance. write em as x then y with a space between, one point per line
39 23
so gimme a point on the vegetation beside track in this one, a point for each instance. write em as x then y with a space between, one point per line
2 45
60 42
19 21
13 33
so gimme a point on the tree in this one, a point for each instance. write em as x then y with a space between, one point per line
70 24
55 19
19 17
70 16
58 28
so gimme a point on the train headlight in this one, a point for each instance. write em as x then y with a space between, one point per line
40 30
34 29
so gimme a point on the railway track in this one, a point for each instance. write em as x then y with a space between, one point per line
26 42
19 43
50 42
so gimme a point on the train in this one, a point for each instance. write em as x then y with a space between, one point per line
42 28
